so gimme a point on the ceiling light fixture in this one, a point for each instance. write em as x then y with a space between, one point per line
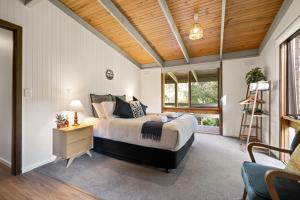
196 31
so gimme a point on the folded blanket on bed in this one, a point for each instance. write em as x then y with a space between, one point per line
153 129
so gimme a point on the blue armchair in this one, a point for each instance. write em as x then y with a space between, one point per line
269 183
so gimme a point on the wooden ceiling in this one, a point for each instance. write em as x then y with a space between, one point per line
246 23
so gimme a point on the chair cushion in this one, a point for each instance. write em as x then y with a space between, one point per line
294 162
254 179
295 141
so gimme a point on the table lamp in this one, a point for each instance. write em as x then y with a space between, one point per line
76 106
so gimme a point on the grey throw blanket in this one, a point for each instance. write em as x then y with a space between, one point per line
153 129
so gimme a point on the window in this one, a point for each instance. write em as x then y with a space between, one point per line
183 93
193 89
204 88
293 75
289 90
169 94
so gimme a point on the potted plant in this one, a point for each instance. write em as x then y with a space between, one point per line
255 75
62 121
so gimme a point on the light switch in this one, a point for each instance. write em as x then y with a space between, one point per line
28 92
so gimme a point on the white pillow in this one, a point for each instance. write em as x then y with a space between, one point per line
105 109
108 108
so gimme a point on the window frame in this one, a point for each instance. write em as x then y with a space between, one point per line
285 121
189 108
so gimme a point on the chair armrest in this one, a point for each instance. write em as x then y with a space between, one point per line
258 144
275 173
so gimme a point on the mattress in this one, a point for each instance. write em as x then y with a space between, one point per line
174 133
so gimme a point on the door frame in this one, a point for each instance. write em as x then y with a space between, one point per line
16 151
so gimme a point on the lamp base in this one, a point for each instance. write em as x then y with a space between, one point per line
76 120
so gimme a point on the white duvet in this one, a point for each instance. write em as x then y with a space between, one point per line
174 134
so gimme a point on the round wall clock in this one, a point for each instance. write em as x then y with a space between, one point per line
109 74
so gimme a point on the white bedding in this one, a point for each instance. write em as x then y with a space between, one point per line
174 134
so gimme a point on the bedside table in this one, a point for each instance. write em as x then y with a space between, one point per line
71 142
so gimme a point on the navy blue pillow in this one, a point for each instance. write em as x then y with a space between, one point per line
144 107
123 109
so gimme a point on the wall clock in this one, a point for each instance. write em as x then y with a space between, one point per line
109 74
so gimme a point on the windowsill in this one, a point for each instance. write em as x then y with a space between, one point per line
211 110
294 123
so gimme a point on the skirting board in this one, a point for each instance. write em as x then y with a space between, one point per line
37 164
5 162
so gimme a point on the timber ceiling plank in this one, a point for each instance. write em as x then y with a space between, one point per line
147 17
210 19
247 22
93 13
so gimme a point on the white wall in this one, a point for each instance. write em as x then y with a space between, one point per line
234 90
269 59
151 89
61 61
6 69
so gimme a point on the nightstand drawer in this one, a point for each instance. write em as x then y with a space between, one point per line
78 147
78 135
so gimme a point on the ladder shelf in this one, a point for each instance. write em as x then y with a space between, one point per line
253 113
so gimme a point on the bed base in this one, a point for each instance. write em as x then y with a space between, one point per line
142 155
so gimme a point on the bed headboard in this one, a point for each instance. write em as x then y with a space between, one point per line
96 98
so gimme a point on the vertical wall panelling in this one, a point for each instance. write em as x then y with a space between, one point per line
61 61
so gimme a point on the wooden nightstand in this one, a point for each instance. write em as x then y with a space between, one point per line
71 142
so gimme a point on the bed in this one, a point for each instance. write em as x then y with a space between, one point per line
122 139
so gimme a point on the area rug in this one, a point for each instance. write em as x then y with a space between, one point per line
210 171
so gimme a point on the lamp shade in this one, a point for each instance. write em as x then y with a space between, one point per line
76 106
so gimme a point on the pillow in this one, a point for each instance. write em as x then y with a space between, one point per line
122 109
123 97
98 109
136 109
98 99
144 107
294 162
105 109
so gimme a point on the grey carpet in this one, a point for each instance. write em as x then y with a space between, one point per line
211 170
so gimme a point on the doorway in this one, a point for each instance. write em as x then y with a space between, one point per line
11 96
6 85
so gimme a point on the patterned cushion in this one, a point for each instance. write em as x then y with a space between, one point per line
136 109
98 99
294 162
144 107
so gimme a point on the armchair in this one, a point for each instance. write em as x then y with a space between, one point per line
265 182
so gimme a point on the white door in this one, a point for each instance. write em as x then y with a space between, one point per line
6 81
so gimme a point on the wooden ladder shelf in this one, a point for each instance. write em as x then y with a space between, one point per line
253 113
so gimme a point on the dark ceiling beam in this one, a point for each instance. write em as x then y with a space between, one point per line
94 31
31 3
222 28
164 6
118 15
205 59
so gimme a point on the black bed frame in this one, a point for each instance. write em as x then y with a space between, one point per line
142 155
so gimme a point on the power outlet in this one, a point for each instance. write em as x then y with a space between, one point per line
27 92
